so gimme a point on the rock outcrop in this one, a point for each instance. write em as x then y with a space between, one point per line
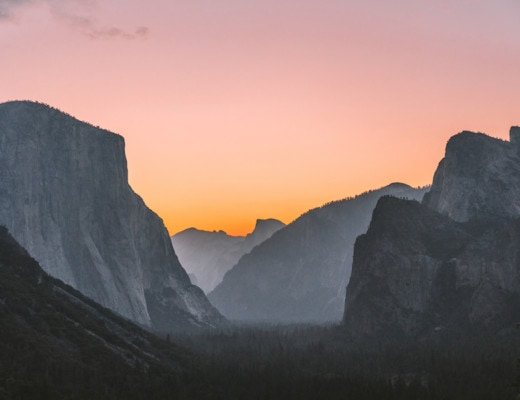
64 196
450 265
300 273
477 178
207 256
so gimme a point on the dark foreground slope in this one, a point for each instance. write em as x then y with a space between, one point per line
300 273
57 344
449 266
65 197
316 362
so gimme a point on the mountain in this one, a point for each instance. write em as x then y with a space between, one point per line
55 343
300 273
450 265
478 178
65 197
207 256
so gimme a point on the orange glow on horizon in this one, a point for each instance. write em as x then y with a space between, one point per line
234 111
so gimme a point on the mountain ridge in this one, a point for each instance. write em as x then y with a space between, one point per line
208 255
461 193
447 266
57 343
300 273
64 195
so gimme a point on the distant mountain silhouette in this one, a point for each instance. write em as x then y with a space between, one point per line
301 272
64 195
207 256
450 265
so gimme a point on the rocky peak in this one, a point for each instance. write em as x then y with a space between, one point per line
209 255
477 178
451 264
264 229
64 195
300 273
514 135
267 224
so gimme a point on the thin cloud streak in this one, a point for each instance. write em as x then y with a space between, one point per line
80 21
114 33
89 27
7 8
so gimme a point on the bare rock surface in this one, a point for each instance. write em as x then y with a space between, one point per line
65 197
450 265
477 178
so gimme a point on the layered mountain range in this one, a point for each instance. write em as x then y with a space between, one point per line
450 264
300 273
65 197
207 256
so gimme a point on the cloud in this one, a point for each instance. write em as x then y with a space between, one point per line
114 32
78 15
8 7
89 27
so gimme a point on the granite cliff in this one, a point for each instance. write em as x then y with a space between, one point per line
478 178
447 266
300 273
207 256
65 197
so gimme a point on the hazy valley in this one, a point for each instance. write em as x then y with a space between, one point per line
299 275
397 293
207 256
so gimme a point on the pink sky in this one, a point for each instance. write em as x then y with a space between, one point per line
237 110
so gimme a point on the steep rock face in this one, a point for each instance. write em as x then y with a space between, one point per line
300 273
207 256
477 178
419 271
64 195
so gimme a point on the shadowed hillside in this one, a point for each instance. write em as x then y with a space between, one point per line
301 272
57 344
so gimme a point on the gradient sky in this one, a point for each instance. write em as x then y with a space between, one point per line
236 110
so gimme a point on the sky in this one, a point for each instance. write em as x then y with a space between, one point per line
234 110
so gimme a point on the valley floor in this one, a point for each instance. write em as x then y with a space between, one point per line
266 362
316 362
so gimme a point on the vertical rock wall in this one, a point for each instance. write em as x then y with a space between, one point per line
64 196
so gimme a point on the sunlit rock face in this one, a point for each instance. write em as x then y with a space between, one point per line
300 273
207 256
64 196
451 264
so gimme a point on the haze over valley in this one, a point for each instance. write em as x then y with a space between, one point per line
259 200
207 256
436 265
